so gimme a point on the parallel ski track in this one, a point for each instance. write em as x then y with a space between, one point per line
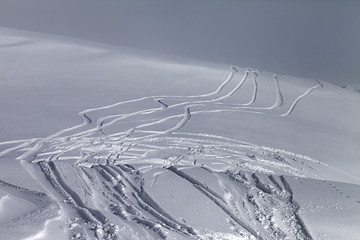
91 144
214 197
147 203
33 147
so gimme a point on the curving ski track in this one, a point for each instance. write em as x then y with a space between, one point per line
107 162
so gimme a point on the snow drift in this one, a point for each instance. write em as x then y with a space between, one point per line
104 142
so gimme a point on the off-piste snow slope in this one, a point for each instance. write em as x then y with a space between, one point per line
99 142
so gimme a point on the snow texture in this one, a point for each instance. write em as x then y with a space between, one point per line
168 148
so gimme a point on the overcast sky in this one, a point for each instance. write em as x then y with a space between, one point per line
307 38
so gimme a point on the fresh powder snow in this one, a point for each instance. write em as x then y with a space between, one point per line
103 142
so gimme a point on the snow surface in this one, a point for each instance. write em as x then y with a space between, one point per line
103 142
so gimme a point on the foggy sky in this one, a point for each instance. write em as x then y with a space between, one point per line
315 39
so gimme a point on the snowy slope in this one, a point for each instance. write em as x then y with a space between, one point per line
107 142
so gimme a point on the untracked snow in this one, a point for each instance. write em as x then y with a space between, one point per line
99 142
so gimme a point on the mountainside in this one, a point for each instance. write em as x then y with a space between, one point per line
105 142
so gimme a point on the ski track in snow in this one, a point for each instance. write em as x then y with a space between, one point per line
34 147
107 160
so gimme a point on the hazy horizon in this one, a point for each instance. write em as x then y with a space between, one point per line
312 39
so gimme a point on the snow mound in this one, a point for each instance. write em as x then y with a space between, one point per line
353 87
